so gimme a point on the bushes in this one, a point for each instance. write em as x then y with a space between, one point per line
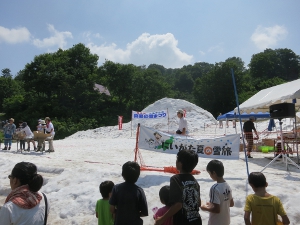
64 128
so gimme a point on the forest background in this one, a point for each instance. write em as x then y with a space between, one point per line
61 85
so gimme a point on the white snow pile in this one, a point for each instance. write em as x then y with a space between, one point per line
73 172
197 118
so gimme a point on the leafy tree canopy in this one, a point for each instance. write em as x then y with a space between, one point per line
61 85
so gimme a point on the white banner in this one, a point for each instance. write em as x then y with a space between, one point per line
226 147
150 115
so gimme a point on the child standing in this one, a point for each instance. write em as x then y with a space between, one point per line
128 201
264 207
220 196
164 193
21 136
102 206
39 127
184 192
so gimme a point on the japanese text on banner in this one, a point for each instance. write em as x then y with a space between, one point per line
226 147
150 115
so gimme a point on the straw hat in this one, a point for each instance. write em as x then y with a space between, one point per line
180 111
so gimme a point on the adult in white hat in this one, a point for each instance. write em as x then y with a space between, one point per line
50 130
247 128
182 128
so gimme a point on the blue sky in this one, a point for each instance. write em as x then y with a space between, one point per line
171 33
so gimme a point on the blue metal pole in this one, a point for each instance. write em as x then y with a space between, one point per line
238 106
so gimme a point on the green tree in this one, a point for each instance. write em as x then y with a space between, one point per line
118 78
183 85
214 91
61 84
6 73
9 88
148 86
198 69
281 63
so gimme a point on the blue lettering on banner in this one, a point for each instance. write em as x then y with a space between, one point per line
153 115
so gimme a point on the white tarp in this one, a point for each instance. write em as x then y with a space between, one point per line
283 93
226 147
101 89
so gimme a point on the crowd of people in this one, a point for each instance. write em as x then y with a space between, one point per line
24 134
126 203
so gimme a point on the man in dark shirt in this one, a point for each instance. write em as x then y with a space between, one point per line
128 201
247 128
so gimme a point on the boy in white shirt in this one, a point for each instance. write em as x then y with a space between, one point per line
220 195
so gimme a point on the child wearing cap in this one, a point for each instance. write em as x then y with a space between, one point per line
41 129
21 136
39 126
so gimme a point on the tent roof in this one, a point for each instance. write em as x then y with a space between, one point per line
232 115
283 93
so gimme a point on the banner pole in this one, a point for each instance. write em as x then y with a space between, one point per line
168 119
238 106
296 129
137 142
131 123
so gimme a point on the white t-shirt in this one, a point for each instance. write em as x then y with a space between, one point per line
220 193
11 214
49 128
27 131
182 124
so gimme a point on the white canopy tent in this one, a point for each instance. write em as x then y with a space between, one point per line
283 93
261 101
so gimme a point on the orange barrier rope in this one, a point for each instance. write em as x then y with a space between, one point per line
168 169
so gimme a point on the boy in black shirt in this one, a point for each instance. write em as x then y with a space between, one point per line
128 201
184 192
